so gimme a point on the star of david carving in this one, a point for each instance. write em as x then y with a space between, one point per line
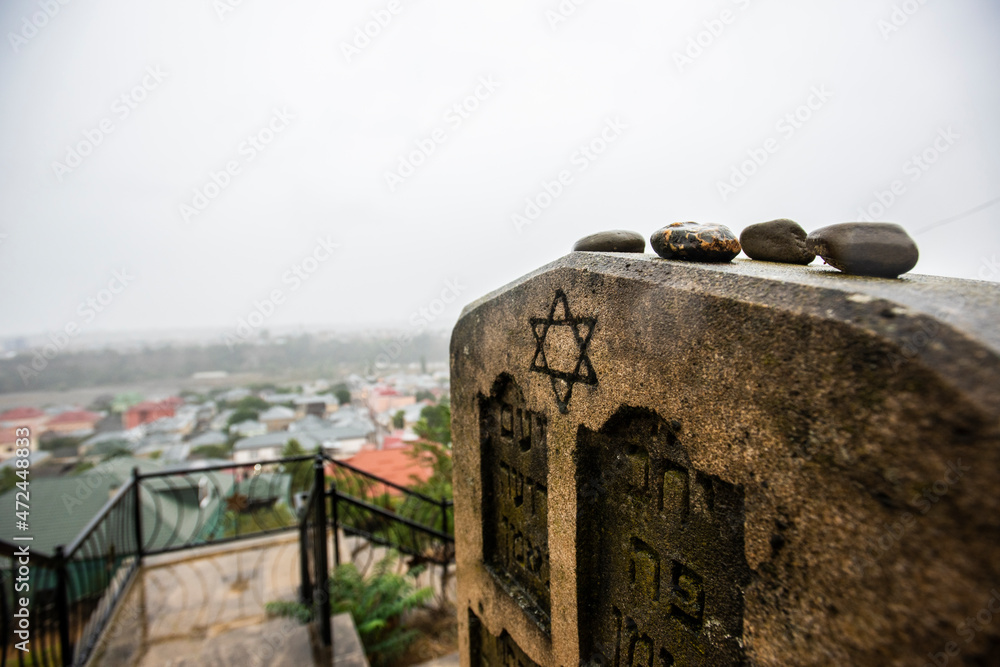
582 329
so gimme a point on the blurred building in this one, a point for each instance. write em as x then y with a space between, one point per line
148 411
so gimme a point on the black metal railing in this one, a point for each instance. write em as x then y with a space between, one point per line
36 641
98 567
313 544
70 595
183 509
391 515
73 593
378 511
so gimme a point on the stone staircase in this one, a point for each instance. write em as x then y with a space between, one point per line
205 608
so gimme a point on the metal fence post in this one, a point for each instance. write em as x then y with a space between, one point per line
305 592
137 513
322 567
62 606
335 523
444 514
444 549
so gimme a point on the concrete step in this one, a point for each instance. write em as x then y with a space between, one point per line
206 607
276 642
347 648
450 660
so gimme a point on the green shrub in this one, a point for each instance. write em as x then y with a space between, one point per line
296 610
437 457
377 604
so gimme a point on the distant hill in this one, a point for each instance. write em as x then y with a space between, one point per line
306 354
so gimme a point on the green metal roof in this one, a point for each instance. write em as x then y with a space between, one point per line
175 509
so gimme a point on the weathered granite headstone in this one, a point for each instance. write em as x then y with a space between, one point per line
663 463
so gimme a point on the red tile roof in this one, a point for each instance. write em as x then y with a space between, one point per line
74 416
147 411
394 465
8 435
393 442
21 413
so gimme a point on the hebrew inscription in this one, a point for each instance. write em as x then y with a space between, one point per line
660 550
489 651
561 342
515 496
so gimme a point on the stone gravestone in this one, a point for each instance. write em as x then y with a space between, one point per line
660 463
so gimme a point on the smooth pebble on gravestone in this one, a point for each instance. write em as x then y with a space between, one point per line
881 249
617 240
776 241
695 242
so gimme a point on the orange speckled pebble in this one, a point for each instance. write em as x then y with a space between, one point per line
695 242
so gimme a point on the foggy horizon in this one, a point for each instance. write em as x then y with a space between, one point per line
356 165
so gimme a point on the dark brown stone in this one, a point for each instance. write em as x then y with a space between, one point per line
515 515
654 587
618 240
776 241
488 650
881 249
695 242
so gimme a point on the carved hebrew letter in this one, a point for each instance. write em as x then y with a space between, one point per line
515 509
645 570
661 567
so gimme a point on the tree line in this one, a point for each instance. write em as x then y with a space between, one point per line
306 353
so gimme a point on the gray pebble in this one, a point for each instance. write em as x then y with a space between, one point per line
882 249
776 241
618 240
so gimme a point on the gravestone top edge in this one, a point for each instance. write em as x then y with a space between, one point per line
969 306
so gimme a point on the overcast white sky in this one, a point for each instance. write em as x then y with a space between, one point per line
679 129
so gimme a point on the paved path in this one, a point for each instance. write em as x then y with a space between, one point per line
450 660
206 607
